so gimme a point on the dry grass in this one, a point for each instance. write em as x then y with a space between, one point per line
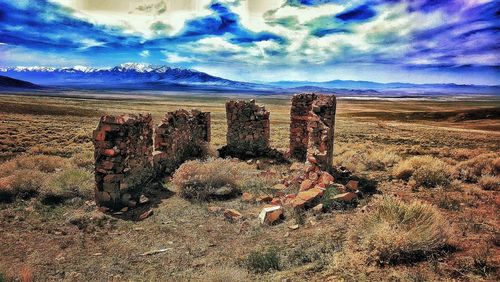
394 231
488 182
424 171
63 237
201 180
472 170
40 163
68 184
226 274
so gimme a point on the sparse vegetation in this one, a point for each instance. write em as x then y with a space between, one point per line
203 179
75 238
483 165
425 171
227 274
488 182
261 262
395 231
68 184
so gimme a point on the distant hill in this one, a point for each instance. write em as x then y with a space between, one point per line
136 76
125 76
8 82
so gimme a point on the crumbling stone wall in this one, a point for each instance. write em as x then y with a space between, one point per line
181 135
247 126
312 128
122 153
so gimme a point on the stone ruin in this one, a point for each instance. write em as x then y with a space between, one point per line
312 128
181 135
122 153
125 160
247 127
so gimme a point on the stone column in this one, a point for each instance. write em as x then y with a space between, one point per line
123 158
312 128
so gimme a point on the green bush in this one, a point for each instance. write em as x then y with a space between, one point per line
261 262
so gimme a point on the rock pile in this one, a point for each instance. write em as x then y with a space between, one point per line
247 127
312 128
181 135
122 153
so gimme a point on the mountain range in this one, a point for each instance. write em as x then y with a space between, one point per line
134 76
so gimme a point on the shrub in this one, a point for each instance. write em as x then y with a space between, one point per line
395 231
67 184
202 179
263 261
424 171
83 159
227 274
488 182
27 182
381 159
33 162
472 170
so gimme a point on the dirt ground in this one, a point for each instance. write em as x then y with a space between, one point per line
73 241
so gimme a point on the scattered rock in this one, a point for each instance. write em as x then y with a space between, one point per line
279 187
326 178
318 209
143 200
232 215
246 197
270 215
345 197
264 199
352 185
293 227
224 191
306 185
307 197
145 214
214 209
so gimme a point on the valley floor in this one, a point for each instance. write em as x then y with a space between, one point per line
73 241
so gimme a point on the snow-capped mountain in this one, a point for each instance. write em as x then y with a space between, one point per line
128 75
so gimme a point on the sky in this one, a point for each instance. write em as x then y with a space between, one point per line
419 41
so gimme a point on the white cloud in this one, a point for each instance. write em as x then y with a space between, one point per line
175 58
89 43
144 54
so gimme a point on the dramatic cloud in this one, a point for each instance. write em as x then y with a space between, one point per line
382 40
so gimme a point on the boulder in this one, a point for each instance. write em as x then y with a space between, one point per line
318 209
307 197
246 197
352 185
270 215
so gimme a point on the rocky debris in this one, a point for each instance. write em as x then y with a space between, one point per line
264 199
307 198
312 128
270 215
143 200
293 227
279 187
247 197
232 215
123 155
345 197
352 185
215 209
145 214
180 136
317 209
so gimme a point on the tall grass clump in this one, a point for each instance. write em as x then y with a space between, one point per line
425 171
41 163
201 180
83 159
472 170
488 182
395 231
67 184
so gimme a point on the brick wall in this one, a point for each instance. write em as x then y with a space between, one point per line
123 147
312 128
181 135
